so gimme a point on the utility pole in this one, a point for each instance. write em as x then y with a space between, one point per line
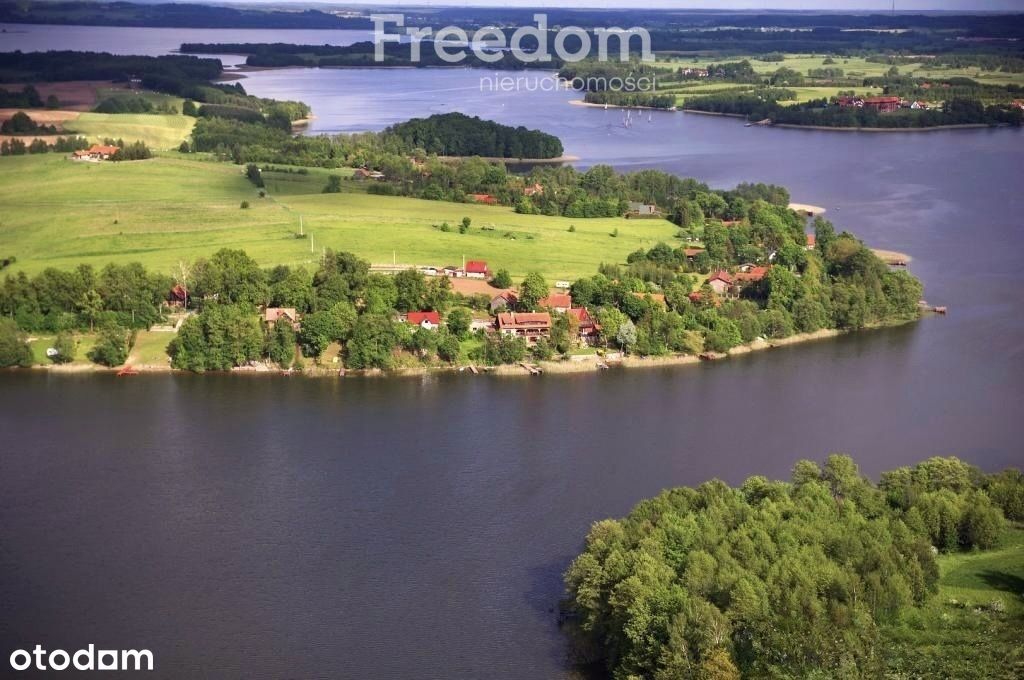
300 226
311 250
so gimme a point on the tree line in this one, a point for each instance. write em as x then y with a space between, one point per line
779 579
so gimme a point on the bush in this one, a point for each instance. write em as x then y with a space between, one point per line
244 205
14 351
65 346
111 347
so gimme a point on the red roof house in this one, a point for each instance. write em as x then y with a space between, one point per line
812 241
721 281
484 198
882 104
587 327
560 302
753 274
477 269
529 325
428 320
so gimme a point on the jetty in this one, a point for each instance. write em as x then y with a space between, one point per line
533 370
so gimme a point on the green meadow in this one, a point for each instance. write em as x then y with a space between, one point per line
58 213
159 131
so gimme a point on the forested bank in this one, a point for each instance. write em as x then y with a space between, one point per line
827 575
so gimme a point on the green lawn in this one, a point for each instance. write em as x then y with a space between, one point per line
963 633
150 348
60 213
40 343
159 131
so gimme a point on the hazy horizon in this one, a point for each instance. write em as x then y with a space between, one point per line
788 5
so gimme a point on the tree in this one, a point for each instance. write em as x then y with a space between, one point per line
458 322
502 279
232 277
111 348
532 291
982 523
91 305
626 336
65 346
280 343
333 185
320 329
448 348
219 338
464 227
373 340
14 350
411 290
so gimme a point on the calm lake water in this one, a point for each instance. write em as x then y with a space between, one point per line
418 528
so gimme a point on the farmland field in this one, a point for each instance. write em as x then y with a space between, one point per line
60 213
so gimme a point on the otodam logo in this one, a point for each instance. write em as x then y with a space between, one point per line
88 659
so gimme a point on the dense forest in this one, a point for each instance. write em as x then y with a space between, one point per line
456 134
806 578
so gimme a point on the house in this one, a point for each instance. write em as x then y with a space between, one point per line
845 102
1017 104
533 189
271 315
364 173
96 152
691 253
529 325
177 297
919 105
486 199
642 209
503 301
812 240
476 269
751 274
882 104
560 302
428 320
721 281
587 328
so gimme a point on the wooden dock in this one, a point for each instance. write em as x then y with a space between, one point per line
534 370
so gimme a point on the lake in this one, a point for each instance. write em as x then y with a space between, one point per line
268 527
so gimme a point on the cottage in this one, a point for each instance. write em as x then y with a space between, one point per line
533 189
476 269
812 241
691 253
1017 104
721 282
271 315
532 325
882 104
751 274
177 297
503 301
560 302
96 152
846 102
587 328
486 199
364 173
919 105
428 320
642 209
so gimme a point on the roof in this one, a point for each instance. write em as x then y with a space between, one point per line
882 100
691 252
754 274
656 297
178 293
582 315
476 267
103 149
272 314
483 198
721 275
417 318
557 300
524 320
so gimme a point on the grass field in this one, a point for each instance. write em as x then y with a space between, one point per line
84 342
963 633
856 67
59 213
159 131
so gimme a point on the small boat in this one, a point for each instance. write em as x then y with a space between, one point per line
939 310
128 370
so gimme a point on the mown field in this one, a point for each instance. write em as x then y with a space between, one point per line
855 67
55 212
159 131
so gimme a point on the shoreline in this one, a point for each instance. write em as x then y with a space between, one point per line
582 364
565 158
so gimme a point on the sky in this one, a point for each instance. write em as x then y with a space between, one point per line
904 5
